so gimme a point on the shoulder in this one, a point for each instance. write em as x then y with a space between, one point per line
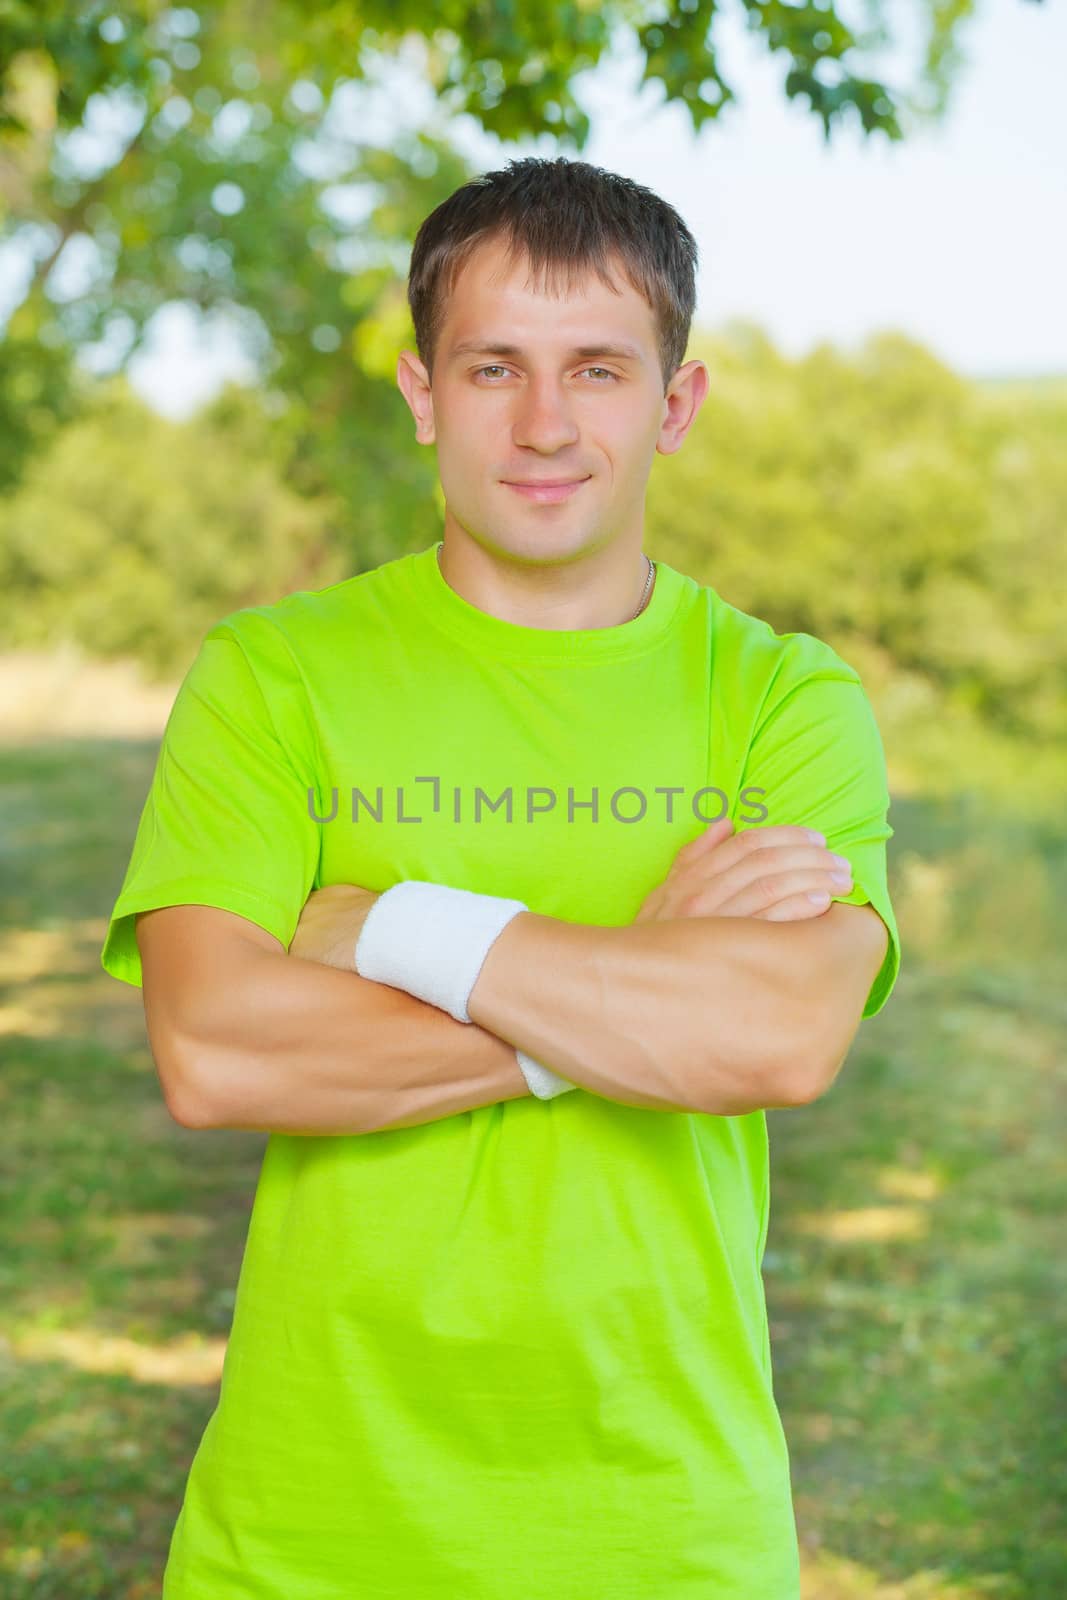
759 666
307 627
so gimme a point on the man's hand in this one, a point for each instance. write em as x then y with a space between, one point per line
766 873
331 923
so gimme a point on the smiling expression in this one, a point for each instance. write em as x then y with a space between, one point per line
547 408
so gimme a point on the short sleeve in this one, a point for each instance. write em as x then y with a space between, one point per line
226 822
817 757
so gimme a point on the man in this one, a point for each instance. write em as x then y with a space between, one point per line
425 887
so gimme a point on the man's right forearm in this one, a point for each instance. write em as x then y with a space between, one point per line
284 1045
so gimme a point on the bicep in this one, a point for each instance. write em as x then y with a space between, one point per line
839 955
226 822
818 758
191 957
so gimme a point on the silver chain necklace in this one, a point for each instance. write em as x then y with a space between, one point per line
648 586
644 597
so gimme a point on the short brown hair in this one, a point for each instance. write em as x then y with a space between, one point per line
566 218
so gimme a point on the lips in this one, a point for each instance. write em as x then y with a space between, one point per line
547 492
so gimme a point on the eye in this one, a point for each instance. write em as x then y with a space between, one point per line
494 368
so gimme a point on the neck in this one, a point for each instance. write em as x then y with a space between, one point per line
525 596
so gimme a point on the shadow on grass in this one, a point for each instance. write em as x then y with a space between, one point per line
120 1232
914 1277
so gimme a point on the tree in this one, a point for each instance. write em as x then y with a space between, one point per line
202 153
131 535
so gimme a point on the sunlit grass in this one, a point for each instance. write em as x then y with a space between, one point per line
914 1267
915 1272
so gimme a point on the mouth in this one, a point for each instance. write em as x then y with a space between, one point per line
547 493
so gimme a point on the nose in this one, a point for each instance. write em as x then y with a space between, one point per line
543 418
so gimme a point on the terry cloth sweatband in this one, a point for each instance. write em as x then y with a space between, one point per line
431 940
542 1081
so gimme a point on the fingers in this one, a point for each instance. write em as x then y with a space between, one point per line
748 875
745 857
760 872
796 908
748 839
775 888
775 838
714 834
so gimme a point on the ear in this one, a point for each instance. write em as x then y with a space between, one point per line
414 384
685 395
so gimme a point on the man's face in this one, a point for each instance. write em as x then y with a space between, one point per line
546 411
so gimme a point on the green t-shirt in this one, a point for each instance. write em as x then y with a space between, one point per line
521 1350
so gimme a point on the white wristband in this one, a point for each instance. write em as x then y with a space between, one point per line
544 1083
431 940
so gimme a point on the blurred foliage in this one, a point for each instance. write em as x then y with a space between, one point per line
214 154
132 535
511 68
36 395
910 517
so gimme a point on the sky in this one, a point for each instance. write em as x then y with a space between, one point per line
956 236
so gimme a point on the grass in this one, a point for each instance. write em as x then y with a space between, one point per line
914 1277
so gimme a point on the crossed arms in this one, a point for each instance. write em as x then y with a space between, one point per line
722 1013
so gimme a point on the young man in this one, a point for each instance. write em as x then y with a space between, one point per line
425 887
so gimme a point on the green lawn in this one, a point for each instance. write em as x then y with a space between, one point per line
915 1278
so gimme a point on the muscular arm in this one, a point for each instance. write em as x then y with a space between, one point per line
690 1010
721 1014
246 1036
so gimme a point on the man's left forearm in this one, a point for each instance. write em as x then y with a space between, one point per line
700 1013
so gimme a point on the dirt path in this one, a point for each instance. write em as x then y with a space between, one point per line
62 692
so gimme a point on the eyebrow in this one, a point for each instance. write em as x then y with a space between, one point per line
617 352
